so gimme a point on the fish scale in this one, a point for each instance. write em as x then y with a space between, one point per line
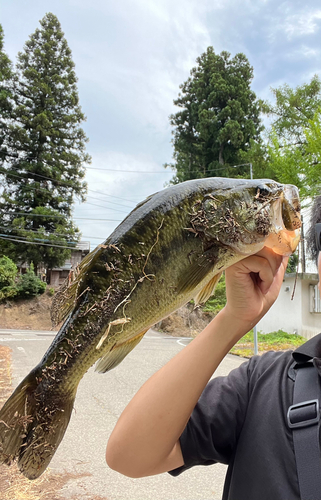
171 248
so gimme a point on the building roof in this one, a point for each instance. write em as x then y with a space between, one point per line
83 245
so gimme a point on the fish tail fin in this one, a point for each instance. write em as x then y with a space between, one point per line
32 424
13 422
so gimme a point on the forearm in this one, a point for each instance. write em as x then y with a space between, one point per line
145 436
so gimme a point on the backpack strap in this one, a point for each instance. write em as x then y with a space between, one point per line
303 418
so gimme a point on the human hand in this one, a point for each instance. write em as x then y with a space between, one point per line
253 285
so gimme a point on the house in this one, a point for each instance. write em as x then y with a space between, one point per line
297 309
58 275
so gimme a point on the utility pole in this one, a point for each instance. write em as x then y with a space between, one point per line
302 244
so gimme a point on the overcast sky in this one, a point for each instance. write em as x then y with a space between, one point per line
132 55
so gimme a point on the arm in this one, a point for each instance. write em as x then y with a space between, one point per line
145 440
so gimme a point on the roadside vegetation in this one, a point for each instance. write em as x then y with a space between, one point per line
14 285
274 341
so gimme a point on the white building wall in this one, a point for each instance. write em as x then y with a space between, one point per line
311 321
285 314
293 316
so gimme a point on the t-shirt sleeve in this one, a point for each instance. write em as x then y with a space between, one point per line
212 431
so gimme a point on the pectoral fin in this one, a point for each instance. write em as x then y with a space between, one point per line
208 290
195 274
117 354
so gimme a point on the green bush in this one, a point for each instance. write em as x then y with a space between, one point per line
8 272
51 291
29 285
8 292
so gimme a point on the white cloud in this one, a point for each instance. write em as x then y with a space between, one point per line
306 52
155 47
302 23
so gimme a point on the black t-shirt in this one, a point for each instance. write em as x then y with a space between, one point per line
240 420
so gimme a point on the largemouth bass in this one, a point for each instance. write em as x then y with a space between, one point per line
171 248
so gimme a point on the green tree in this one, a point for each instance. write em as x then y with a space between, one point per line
294 153
56 235
46 170
218 117
293 109
257 156
6 83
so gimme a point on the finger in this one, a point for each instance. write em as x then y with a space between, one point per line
259 270
265 274
281 271
274 259
278 275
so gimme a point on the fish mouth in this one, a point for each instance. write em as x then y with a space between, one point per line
286 235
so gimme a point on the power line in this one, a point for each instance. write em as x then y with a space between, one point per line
131 171
106 220
161 171
62 217
108 208
24 238
35 243
116 197
99 192
13 228
106 201
32 188
137 172
36 231
63 183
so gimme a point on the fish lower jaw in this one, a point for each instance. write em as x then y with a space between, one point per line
284 242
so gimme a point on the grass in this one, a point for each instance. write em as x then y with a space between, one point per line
274 341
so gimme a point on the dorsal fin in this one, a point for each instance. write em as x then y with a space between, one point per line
66 296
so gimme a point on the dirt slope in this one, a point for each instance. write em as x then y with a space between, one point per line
33 314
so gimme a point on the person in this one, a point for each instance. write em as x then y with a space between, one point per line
180 418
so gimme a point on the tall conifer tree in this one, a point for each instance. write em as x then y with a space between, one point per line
47 168
6 82
218 117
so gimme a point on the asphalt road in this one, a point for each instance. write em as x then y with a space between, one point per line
100 400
